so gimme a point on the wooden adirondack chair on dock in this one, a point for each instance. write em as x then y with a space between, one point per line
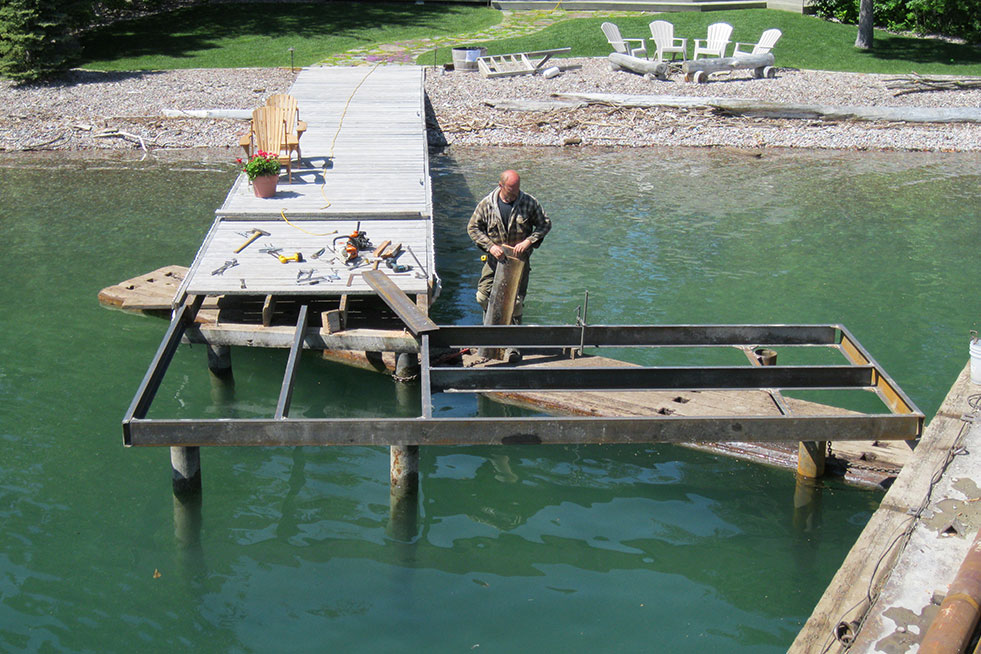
291 114
268 134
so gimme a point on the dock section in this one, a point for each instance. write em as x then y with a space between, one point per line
364 167
891 586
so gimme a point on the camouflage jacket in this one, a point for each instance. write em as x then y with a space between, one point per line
528 220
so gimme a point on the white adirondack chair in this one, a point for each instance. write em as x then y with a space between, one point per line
715 44
767 40
621 44
662 32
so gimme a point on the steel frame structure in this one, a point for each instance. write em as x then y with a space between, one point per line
902 420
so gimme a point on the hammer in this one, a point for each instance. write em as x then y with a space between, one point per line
256 234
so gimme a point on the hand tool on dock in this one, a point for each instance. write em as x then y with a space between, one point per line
271 250
408 248
231 263
295 257
256 234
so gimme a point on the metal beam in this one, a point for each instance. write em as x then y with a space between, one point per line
563 336
890 393
286 392
504 379
518 431
157 369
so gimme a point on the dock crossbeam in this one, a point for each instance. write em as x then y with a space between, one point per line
902 420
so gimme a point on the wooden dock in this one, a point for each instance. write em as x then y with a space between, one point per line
272 273
890 587
365 167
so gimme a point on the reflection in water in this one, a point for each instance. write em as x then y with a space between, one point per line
187 536
807 505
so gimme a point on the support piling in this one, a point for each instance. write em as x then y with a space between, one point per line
406 367
810 454
404 491
185 463
220 360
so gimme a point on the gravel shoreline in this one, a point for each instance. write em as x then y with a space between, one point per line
90 110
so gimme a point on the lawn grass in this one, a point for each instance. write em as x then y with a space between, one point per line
807 42
260 34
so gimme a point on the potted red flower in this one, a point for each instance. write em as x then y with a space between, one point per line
262 169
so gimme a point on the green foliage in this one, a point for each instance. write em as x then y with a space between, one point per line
259 164
957 18
807 42
37 37
260 34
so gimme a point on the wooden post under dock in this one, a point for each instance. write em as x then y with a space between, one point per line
403 490
185 463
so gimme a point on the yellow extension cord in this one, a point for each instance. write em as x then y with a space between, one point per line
330 156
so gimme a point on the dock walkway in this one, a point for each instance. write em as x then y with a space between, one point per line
365 167
890 586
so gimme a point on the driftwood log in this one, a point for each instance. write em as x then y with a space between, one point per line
918 84
534 105
761 109
638 65
698 70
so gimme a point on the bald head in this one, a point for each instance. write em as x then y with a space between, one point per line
510 184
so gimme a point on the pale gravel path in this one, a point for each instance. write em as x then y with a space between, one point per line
69 114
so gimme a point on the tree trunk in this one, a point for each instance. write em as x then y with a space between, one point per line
865 24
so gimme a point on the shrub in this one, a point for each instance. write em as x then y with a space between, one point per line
957 18
37 37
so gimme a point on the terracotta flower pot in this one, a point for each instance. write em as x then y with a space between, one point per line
264 186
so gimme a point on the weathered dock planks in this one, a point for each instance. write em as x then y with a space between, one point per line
365 167
259 272
886 591
866 463
364 151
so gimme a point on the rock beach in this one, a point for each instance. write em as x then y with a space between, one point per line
92 110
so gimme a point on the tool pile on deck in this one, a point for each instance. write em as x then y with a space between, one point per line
353 251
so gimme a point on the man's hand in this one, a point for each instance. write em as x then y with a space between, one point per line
497 252
521 248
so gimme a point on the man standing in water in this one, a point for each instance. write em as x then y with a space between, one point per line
507 216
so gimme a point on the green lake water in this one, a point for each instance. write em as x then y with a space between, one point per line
524 548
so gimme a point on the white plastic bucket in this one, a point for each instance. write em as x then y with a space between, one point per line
549 73
975 349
